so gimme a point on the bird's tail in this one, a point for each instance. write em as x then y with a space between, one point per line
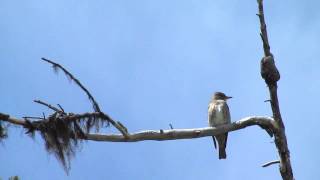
222 153
222 142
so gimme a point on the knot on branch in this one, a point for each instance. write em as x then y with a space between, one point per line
269 71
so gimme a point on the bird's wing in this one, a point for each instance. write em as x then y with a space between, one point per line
214 142
211 111
226 112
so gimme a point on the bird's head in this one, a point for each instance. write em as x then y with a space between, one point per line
220 96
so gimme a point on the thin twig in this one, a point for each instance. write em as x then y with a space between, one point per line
48 105
263 27
69 75
61 108
95 105
270 163
32 117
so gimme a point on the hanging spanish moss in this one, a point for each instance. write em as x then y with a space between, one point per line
3 131
63 133
60 136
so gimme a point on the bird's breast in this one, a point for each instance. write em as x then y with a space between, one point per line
217 116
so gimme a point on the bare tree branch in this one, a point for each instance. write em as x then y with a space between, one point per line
263 28
57 66
48 105
12 120
61 108
270 163
174 134
271 75
95 105
266 123
32 117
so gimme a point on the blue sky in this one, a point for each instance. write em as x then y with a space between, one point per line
151 63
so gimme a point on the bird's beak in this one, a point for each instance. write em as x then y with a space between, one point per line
229 97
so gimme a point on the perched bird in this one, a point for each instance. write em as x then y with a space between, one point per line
218 114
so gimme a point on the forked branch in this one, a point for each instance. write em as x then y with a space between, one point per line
57 66
102 116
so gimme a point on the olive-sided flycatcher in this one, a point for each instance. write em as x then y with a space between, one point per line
218 114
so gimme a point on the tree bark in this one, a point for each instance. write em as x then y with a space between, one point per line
271 75
264 122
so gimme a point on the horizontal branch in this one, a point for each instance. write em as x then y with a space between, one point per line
266 123
12 120
173 134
